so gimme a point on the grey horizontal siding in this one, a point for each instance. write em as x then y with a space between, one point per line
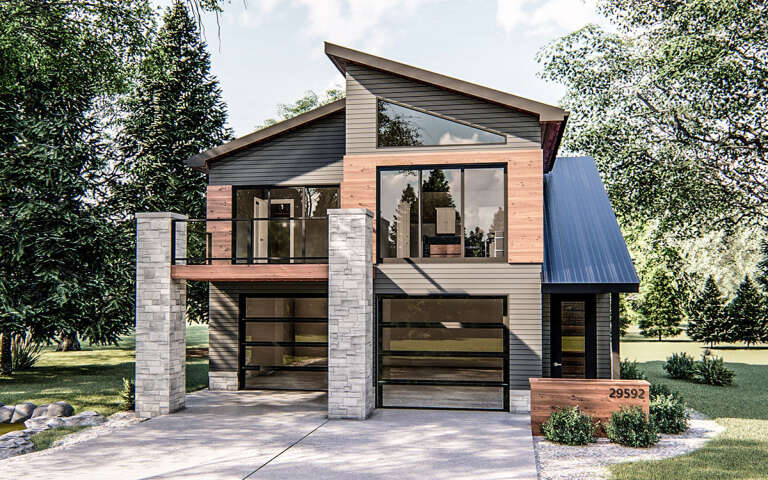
224 316
310 155
603 307
520 283
364 85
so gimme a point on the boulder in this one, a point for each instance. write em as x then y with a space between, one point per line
60 409
6 413
12 445
22 412
40 424
40 411
84 419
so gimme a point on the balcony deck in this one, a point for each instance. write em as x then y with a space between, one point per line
304 272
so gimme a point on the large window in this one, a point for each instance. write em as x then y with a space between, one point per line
400 126
283 225
442 212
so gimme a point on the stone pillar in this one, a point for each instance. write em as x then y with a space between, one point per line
350 313
160 316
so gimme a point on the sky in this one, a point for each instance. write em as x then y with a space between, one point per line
267 52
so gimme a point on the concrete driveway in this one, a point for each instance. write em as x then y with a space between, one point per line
285 435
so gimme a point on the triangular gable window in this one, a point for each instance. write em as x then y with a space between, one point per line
400 126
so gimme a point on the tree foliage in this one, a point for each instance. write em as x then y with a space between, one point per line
308 102
174 111
660 309
707 322
674 108
746 315
62 64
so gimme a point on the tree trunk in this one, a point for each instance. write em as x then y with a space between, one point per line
68 342
6 363
659 336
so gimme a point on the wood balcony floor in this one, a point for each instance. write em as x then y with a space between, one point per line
296 272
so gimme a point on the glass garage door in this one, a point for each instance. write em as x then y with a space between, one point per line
284 342
442 353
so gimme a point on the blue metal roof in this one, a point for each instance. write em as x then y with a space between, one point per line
583 245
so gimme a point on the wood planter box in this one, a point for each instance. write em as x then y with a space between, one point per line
598 398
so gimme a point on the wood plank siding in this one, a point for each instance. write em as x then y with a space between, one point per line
364 85
224 316
309 155
525 195
219 205
304 272
520 283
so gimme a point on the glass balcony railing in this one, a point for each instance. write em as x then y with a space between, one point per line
251 241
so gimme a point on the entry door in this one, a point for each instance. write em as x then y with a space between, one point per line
573 337
260 210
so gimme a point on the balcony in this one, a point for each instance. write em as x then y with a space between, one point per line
252 249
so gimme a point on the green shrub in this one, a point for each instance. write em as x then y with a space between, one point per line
570 426
661 390
712 371
680 365
630 427
669 414
25 352
630 370
128 394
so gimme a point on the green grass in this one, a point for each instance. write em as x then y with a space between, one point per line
91 379
45 439
741 451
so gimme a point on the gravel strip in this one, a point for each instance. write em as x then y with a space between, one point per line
563 462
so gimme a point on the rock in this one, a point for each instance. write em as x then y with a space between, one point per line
6 413
12 445
84 419
1 404
60 409
40 424
23 411
40 411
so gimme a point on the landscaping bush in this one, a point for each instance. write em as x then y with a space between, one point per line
630 427
712 371
25 352
680 365
660 390
570 426
128 394
629 370
669 414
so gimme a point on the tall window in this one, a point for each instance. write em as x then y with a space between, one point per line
283 225
445 212
399 126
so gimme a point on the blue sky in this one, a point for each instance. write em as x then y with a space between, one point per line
271 51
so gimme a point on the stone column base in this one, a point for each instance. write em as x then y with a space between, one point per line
520 401
222 381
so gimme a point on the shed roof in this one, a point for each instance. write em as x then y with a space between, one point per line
584 249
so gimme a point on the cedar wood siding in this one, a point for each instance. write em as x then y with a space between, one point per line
224 316
603 323
364 85
519 282
309 155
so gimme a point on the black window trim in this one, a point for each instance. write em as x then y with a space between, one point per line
438 115
421 258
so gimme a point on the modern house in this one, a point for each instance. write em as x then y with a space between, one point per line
416 244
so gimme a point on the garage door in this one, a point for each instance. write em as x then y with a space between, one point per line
284 342
437 352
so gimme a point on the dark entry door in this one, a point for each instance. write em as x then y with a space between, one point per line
574 343
443 352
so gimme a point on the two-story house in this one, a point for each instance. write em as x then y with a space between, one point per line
491 259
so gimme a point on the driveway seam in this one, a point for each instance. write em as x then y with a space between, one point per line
286 449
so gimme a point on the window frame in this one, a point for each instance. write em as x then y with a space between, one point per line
438 115
421 258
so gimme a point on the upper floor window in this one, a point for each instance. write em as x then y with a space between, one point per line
399 126
442 212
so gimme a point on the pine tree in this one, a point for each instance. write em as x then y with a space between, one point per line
762 266
174 112
707 317
661 309
746 315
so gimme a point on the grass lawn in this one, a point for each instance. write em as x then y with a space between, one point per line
741 452
91 379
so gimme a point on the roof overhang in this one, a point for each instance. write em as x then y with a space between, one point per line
590 287
342 56
202 160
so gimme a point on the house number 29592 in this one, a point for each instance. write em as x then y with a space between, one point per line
626 393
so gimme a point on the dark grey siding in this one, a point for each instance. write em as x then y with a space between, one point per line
310 155
364 85
521 283
546 335
224 316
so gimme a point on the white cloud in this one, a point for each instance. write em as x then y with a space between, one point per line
547 17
